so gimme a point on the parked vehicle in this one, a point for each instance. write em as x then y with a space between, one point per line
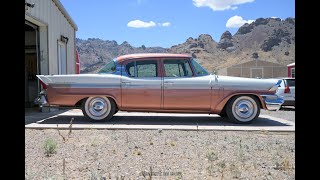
286 90
160 82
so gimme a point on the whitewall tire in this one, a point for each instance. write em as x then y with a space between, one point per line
98 108
243 109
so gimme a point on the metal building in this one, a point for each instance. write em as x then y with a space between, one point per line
49 43
256 69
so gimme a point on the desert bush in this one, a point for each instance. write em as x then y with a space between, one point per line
50 146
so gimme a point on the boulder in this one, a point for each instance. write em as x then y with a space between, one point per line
225 40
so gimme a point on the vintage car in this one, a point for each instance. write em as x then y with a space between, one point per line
159 82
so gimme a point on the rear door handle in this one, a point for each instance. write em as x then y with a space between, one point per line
168 83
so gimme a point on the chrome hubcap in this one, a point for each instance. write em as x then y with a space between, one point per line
244 109
98 107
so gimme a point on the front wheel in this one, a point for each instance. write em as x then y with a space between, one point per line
98 108
243 109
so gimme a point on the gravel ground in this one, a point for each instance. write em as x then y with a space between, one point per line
287 113
168 154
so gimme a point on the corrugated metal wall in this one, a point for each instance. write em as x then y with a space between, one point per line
47 12
251 68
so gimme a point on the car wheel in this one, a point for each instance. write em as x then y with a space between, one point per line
98 108
243 109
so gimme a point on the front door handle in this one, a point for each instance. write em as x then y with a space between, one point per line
127 83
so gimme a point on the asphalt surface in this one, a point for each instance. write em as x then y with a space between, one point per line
286 112
282 120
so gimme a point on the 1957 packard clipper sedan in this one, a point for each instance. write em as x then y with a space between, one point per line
159 82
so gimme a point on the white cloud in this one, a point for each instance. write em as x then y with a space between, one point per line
141 24
220 5
237 21
166 24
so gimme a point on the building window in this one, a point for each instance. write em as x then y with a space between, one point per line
62 58
293 72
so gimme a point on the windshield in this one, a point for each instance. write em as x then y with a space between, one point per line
198 68
108 68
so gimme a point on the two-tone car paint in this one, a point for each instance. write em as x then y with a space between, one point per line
194 94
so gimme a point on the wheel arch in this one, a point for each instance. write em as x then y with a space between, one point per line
80 102
222 105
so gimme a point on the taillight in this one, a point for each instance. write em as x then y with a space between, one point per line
287 89
44 86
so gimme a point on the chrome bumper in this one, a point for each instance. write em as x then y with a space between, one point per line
41 99
273 102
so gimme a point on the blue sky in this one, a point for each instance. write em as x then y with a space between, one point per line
168 22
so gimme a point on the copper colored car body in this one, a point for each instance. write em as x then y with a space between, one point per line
159 82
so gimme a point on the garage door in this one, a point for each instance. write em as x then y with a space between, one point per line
256 73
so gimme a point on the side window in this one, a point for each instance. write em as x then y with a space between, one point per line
142 68
177 68
130 67
146 68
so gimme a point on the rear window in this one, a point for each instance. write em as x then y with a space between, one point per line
108 68
291 82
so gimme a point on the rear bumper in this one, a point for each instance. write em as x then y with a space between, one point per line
41 99
273 102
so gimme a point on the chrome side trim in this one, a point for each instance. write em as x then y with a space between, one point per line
275 87
84 85
273 102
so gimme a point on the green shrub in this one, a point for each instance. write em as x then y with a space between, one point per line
50 146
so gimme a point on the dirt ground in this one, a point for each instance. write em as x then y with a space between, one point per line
160 154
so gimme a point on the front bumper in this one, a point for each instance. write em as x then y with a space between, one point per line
273 102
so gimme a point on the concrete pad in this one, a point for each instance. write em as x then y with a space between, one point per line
164 121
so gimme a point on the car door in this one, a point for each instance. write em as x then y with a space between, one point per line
141 84
182 89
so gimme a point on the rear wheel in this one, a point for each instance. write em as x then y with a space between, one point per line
243 109
98 108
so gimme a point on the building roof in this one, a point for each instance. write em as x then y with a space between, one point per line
292 64
151 55
65 13
257 63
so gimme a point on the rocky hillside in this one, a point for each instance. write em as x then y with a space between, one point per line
268 39
94 53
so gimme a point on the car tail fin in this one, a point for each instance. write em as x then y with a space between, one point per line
43 81
44 86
